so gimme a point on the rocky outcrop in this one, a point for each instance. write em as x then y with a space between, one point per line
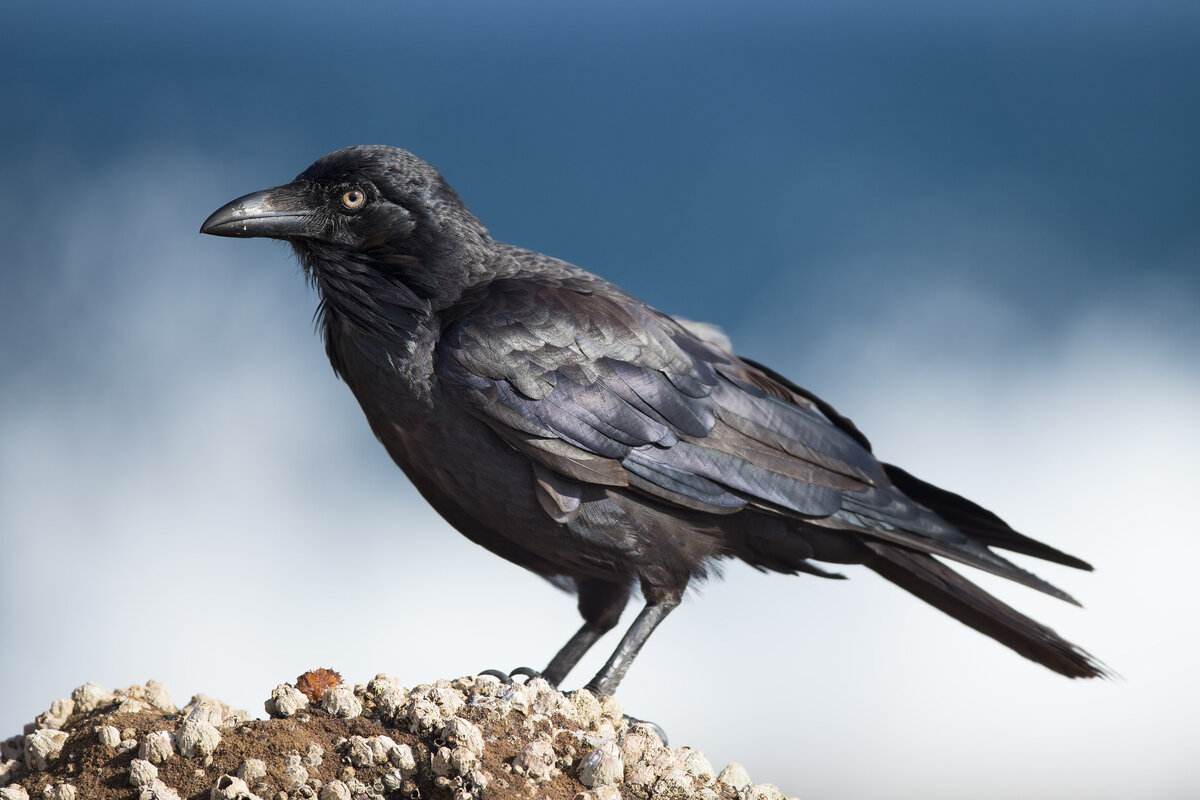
475 737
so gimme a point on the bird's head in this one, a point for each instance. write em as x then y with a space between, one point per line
373 206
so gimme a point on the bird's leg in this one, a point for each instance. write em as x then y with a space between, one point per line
607 679
600 604
571 652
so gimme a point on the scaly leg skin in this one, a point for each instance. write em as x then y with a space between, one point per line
610 675
600 605
571 652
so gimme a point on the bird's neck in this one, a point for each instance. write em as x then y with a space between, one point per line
387 305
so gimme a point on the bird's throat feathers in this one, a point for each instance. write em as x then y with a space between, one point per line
385 300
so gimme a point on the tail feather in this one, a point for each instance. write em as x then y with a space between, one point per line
943 588
974 520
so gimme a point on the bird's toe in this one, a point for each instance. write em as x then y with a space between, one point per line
654 726
510 677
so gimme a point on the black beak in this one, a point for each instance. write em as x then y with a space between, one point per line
280 213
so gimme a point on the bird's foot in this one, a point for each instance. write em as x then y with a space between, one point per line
508 677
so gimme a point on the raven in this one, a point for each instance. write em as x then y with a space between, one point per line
570 428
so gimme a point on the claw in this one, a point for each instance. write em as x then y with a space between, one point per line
504 677
654 726
507 677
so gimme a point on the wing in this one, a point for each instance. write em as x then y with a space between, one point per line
597 388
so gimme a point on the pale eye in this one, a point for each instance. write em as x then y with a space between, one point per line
354 199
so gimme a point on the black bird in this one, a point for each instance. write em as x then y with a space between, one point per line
572 429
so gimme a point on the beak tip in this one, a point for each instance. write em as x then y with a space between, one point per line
228 220
221 223
274 213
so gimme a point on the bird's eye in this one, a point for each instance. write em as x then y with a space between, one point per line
354 199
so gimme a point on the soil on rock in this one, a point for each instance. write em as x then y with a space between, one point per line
466 739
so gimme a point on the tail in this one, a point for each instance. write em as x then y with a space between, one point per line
943 588
975 521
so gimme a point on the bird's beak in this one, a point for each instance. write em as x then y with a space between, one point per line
280 213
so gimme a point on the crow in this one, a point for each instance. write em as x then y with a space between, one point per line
570 428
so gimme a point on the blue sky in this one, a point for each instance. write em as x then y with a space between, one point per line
972 229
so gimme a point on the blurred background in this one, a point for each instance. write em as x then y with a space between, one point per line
971 227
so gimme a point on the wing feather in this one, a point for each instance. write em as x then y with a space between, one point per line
597 388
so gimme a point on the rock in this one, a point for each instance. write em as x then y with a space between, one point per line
382 684
549 701
13 748
588 711
401 757
638 744
359 751
216 712
60 711
42 747
130 705
294 773
197 739
535 760
334 790
341 702
459 731
206 709
128 741
285 701
602 766
612 708
735 775
423 717
440 741
108 735
229 787
141 772
92 696
478 779
520 698
697 765
314 755
600 793
388 702
158 697
447 762
14 793
449 699
157 790
157 746
252 770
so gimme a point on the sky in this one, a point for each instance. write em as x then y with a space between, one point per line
973 229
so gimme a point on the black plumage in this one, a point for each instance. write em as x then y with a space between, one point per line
570 428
